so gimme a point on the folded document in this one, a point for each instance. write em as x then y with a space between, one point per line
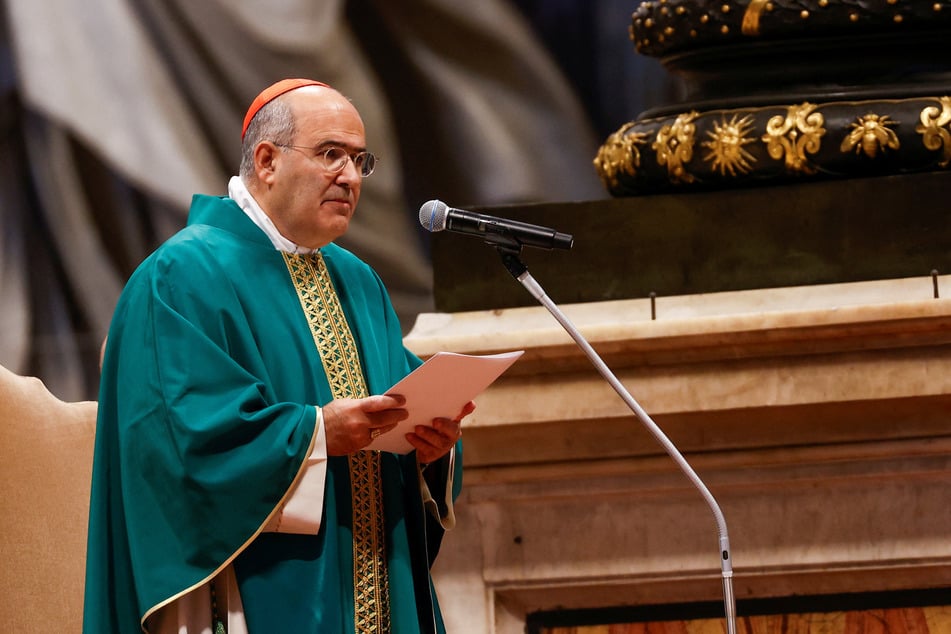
439 389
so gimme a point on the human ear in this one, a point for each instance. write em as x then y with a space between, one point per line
265 161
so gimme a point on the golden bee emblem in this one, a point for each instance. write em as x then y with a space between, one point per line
869 135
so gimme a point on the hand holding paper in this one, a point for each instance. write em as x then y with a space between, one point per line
432 443
440 388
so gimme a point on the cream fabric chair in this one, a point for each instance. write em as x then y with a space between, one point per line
46 450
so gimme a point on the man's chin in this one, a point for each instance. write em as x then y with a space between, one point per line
334 232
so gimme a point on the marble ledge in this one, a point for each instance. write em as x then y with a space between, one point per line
859 315
835 365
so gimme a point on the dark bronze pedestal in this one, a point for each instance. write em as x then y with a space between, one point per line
787 91
676 244
813 146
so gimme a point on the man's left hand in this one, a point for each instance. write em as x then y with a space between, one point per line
432 443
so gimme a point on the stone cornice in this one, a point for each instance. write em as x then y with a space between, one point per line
785 321
821 363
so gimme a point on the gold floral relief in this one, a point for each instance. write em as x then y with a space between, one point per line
934 129
869 134
726 146
674 147
620 153
791 137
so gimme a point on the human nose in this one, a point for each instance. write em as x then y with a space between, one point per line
350 173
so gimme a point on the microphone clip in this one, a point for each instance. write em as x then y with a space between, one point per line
510 258
509 249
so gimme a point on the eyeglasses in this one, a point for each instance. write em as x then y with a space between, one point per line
334 159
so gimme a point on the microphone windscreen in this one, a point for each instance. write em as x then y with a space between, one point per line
433 214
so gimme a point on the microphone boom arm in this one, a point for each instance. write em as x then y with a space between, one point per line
510 258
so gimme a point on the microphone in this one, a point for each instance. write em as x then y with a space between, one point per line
435 215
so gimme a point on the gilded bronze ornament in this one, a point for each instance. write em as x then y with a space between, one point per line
620 154
791 137
674 147
694 23
727 139
934 129
758 85
751 16
869 134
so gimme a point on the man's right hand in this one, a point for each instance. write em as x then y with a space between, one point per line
352 423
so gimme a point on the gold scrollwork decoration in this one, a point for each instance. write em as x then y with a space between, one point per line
726 151
934 129
674 147
750 24
620 153
791 137
869 134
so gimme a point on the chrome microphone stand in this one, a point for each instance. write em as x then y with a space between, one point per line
509 249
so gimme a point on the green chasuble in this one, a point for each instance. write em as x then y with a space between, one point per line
206 415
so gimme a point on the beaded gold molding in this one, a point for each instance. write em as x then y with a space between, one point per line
723 148
661 27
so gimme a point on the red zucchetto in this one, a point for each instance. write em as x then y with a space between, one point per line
272 92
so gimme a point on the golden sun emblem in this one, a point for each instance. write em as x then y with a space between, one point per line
726 151
870 133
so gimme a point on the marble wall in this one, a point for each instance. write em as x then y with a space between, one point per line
819 417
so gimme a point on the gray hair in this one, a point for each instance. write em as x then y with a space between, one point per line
274 122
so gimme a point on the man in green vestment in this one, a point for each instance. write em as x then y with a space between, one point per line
243 378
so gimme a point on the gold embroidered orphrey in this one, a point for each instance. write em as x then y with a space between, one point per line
338 353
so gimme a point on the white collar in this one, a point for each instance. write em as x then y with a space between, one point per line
239 193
